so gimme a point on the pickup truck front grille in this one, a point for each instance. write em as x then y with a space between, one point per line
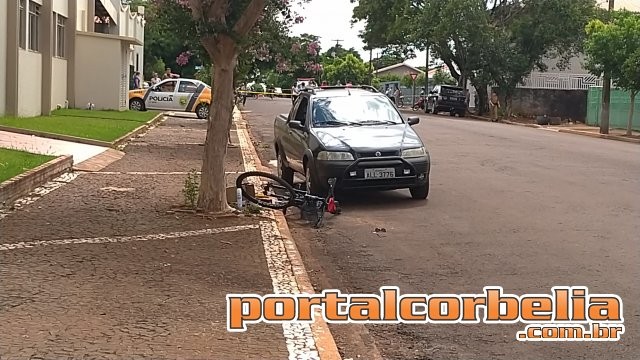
372 154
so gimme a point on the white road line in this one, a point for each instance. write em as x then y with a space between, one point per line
299 337
124 239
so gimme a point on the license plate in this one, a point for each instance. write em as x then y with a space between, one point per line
379 173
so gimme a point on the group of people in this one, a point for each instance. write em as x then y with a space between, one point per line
394 94
136 80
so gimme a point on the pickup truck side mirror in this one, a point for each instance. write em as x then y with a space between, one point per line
297 125
413 120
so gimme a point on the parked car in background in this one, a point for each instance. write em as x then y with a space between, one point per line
446 98
354 134
187 95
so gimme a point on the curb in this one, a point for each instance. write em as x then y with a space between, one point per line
472 117
325 344
601 136
55 136
140 129
21 185
535 126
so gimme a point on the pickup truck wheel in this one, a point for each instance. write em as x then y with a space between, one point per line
434 108
311 183
420 192
284 172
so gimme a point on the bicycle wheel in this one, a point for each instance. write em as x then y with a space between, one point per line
269 190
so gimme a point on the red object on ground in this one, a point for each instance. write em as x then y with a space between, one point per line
331 206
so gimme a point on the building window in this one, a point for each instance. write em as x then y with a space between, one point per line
60 35
22 42
34 26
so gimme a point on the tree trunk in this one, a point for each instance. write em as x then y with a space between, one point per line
481 99
213 196
508 103
632 107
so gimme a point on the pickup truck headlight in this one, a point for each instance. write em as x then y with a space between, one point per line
416 152
334 155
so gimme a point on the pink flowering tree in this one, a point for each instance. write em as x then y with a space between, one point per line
227 30
300 59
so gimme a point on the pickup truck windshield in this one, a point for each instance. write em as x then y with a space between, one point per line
354 111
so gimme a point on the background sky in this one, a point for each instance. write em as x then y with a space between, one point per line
331 20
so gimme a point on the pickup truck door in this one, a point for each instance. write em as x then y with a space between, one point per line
285 137
296 140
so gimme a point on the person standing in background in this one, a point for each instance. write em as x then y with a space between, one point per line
137 81
169 75
396 96
155 79
494 105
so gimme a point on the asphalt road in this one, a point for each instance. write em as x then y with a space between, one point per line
522 208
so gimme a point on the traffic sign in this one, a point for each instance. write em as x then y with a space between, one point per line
413 76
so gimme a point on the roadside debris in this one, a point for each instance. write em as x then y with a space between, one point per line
377 231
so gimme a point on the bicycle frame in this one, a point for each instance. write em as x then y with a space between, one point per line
303 201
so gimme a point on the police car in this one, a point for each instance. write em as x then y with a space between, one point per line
187 95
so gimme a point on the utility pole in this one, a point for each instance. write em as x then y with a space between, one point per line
426 80
338 42
606 90
370 66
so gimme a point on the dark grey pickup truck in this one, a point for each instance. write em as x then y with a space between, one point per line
355 134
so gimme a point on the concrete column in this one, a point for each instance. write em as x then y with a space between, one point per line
13 36
47 35
91 14
70 52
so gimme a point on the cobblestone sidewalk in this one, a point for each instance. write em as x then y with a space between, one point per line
99 265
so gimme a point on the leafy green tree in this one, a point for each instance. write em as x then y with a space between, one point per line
337 51
630 81
454 30
441 77
225 29
615 48
347 69
156 66
528 31
483 41
388 57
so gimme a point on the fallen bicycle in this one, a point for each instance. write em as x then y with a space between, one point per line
272 192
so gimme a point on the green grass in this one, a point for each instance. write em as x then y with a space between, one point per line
84 127
14 162
139 116
103 125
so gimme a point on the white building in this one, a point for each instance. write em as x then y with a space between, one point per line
67 53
